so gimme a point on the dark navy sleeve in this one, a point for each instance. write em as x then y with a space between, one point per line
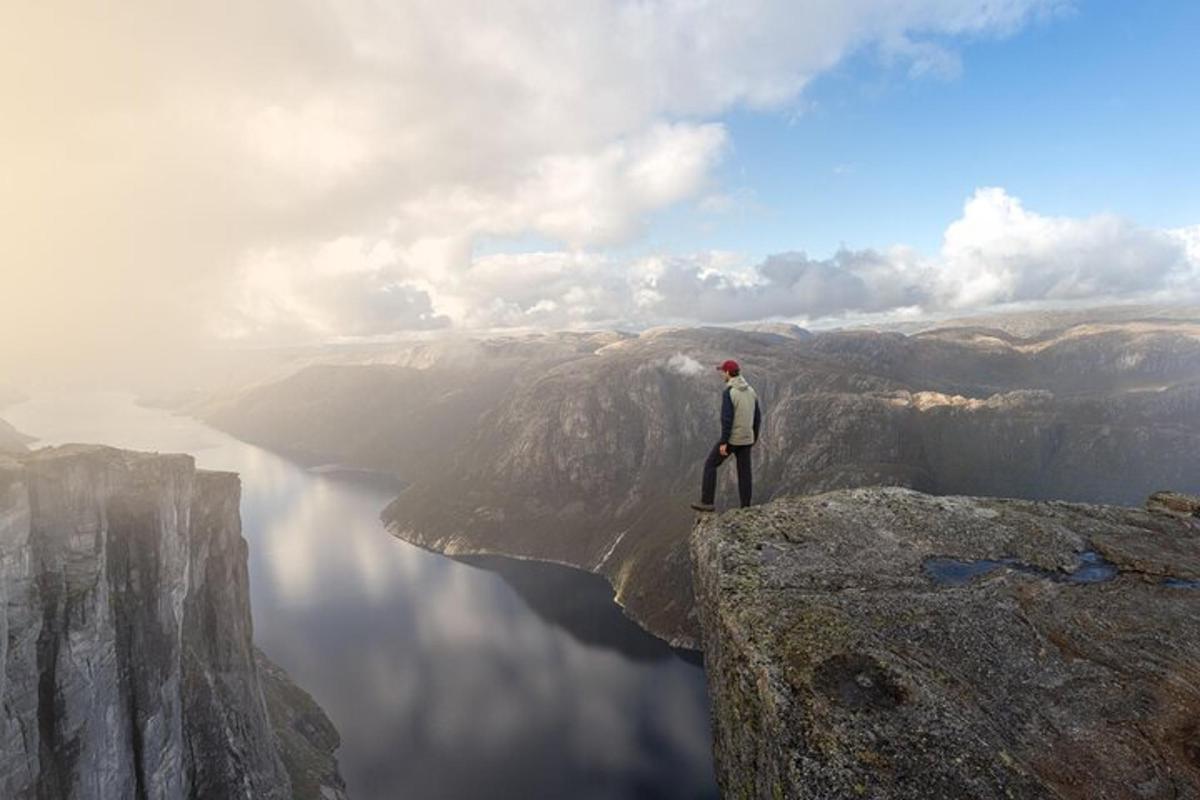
726 416
757 420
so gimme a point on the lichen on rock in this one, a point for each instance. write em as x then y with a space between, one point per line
840 667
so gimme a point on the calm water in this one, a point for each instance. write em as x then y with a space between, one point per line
498 678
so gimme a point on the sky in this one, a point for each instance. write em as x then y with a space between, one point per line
335 170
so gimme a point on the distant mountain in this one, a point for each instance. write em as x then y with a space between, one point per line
587 449
1041 322
12 440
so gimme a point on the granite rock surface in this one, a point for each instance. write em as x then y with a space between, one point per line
883 643
127 668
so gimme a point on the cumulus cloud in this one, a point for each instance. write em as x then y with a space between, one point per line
787 285
998 252
1187 280
345 288
162 150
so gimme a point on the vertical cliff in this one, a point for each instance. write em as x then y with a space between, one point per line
127 668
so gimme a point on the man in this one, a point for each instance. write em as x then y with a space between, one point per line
740 423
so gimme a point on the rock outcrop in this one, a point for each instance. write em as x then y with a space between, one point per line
882 643
127 668
306 738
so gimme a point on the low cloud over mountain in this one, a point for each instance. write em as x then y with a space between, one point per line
188 170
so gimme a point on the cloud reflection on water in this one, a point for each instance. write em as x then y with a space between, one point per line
444 680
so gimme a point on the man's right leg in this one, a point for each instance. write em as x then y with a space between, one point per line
708 487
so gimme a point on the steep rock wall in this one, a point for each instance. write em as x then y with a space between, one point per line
127 668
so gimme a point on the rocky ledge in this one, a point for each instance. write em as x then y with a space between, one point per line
127 668
882 643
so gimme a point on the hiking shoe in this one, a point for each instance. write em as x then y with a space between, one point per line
704 506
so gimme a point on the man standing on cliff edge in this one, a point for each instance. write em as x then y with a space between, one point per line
740 423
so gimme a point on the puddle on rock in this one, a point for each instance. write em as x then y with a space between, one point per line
952 572
1092 568
1180 583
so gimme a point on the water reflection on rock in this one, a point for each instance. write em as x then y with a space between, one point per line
493 678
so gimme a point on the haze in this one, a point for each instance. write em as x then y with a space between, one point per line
196 176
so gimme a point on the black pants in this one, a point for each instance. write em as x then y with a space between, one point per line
708 489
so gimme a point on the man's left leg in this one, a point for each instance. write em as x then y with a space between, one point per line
708 484
742 452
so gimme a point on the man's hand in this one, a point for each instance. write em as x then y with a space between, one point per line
724 450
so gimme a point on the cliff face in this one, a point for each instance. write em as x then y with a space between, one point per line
887 644
126 663
587 450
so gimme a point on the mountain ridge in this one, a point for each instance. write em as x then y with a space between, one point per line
586 449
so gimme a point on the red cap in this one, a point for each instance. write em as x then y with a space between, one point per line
729 366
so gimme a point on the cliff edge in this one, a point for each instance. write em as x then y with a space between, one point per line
883 643
127 668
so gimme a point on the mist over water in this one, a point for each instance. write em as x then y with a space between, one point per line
445 680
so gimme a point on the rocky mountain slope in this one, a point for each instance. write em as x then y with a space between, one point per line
126 663
888 644
587 449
